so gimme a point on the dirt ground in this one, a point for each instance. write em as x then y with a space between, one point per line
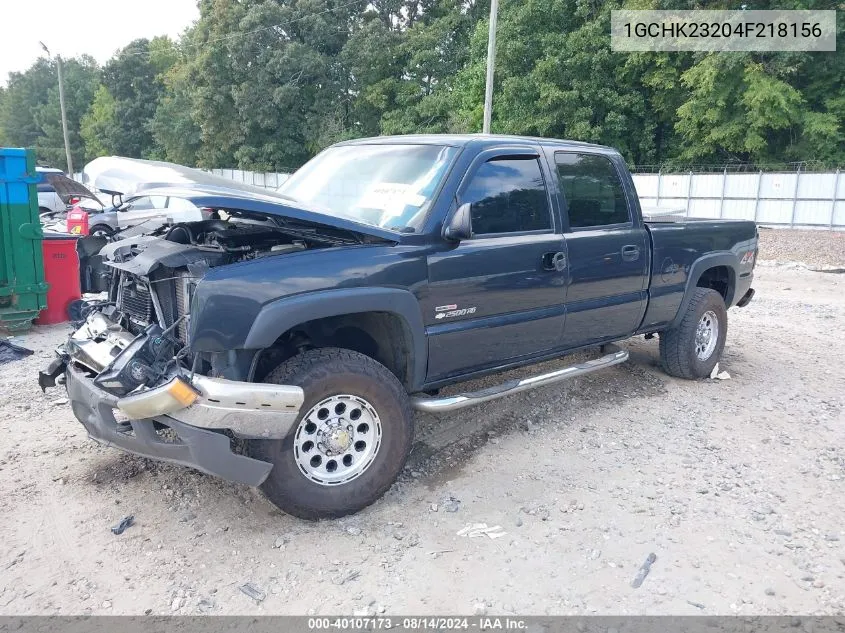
736 486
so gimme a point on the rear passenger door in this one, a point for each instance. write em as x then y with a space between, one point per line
499 295
608 250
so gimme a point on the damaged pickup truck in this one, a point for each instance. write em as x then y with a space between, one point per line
285 342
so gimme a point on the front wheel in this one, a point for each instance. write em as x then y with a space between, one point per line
350 442
692 349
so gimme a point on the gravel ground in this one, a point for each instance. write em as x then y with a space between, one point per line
815 249
734 485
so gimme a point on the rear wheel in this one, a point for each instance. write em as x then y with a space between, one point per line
692 349
350 442
101 230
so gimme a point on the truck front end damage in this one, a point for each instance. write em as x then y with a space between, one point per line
168 413
133 381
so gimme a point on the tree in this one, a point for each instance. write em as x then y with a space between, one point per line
30 114
177 134
134 78
3 141
99 127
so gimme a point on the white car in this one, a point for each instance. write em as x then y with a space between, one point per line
57 192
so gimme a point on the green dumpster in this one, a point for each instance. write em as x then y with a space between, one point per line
23 291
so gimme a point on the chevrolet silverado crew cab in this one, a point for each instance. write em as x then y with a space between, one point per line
286 341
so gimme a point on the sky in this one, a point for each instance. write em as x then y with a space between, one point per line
73 27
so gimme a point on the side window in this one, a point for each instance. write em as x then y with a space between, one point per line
43 187
508 195
147 202
593 191
180 204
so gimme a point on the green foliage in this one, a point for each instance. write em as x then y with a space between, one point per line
134 79
30 113
99 127
265 84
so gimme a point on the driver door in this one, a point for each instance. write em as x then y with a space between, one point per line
499 296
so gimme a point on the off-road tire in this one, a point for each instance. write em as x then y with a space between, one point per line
323 373
677 345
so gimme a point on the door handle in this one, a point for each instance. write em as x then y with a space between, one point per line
630 253
554 261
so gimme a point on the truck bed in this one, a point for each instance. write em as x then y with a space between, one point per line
677 244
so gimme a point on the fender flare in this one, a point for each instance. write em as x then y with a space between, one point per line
277 317
698 267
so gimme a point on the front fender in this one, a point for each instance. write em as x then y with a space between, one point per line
277 317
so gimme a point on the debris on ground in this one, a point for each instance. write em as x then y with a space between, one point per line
125 522
10 351
280 542
342 580
253 592
450 504
643 571
473 530
719 375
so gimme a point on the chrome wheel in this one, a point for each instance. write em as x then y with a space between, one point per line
706 335
337 439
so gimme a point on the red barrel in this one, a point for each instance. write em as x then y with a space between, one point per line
77 221
61 271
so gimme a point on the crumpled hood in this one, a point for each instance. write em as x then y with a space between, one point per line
128 176
269 203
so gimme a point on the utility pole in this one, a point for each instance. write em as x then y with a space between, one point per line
62 107
491 64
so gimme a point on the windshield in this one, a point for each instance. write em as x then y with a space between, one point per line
390 186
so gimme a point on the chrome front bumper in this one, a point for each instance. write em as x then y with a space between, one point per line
249 410
203 449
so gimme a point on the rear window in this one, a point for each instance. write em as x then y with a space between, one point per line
593 190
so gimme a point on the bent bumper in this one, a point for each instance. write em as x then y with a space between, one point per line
206 450
248 409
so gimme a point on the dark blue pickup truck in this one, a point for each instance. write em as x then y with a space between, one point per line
285 342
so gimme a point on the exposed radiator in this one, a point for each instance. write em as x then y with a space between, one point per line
184 290
134 299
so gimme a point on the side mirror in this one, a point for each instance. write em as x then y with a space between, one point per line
459 226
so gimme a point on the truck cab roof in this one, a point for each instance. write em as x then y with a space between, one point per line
482 140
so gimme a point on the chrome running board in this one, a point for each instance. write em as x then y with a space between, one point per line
613 356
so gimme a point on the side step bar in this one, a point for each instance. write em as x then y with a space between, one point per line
613 356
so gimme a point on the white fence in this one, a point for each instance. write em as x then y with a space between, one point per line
268 180
789 199
785 199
